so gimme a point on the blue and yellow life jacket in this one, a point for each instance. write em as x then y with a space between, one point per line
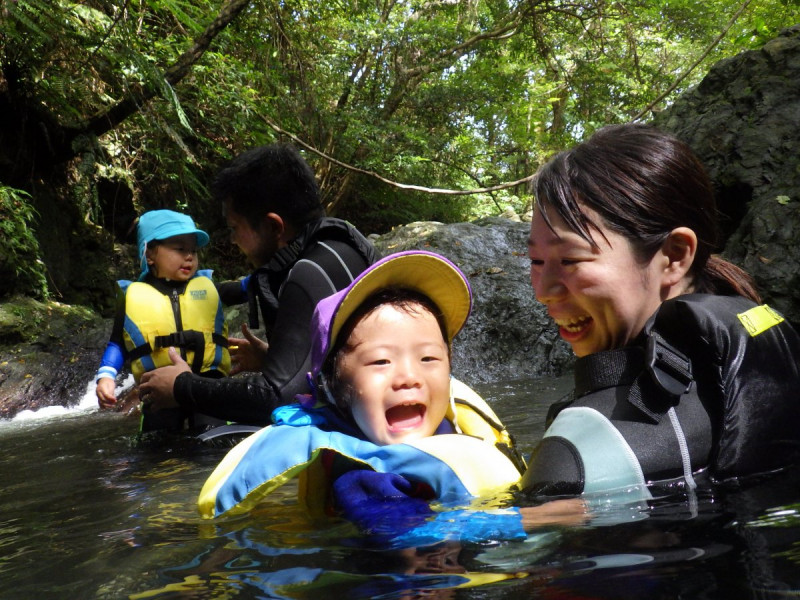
192 321
455 467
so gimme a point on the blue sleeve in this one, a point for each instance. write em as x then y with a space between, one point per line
382 505
112 361
468 526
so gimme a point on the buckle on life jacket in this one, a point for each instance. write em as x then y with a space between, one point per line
188 339
668 366
180 339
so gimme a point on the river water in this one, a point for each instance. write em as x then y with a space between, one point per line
87 513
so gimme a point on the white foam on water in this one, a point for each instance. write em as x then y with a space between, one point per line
87 404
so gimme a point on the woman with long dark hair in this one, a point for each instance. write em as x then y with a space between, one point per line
682 373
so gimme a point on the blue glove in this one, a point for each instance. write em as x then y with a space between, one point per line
382 505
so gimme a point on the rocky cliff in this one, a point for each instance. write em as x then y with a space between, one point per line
743 120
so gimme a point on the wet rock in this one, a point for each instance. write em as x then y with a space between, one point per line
743 120
48 353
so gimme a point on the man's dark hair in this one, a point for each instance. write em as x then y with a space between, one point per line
273 178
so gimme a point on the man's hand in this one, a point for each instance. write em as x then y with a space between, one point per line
248 353
155 388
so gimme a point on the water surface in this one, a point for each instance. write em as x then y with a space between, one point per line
86 513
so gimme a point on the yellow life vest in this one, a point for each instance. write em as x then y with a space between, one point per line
150 326
470 414
480 463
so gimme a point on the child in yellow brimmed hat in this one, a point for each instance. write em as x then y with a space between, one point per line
379 438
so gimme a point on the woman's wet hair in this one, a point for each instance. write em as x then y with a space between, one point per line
404 299
642 183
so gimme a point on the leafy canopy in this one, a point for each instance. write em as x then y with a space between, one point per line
442 94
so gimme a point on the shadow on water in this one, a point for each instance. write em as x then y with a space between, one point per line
86 513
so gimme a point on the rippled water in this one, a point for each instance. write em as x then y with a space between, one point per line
85 513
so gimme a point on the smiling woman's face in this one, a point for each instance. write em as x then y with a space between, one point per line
600 297
397 365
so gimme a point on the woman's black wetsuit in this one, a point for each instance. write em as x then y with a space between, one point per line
712 385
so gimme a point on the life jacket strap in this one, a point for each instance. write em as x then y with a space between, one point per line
140 351
188 340
607 369
252 306
670 368
219 339
657 373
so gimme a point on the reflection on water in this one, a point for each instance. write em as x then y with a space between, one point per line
87 514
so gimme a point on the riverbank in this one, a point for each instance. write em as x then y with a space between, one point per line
48 353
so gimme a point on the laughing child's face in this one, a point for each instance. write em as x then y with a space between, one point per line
396 364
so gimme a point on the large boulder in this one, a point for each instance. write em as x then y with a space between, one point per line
743 120
48 353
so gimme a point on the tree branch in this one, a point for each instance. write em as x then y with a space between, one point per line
140 95
403 186
694 65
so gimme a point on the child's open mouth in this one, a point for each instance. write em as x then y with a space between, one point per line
405 416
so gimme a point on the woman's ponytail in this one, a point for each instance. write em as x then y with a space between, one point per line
720 276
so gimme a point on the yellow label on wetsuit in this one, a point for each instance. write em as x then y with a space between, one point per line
759 319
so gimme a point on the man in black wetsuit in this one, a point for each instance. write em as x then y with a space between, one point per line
271 204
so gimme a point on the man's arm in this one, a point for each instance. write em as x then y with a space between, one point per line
233 292
323 271
247 400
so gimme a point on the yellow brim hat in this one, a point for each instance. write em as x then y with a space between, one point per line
425 272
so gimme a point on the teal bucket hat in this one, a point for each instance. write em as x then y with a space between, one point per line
163 224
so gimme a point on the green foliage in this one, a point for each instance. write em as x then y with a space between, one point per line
19 250
454 95
410 91
24 319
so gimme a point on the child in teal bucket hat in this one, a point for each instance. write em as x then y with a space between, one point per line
161 225
171 304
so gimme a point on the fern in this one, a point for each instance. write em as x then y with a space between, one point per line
18 242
